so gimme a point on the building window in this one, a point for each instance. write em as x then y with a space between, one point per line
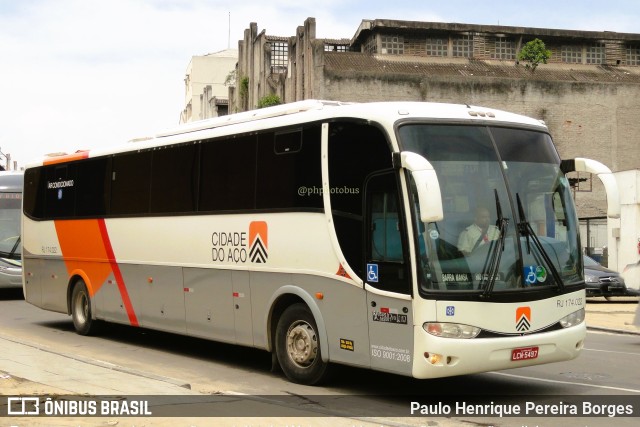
505 49
633 55
371 45
414 46
595 54
393 45
437 47
331 47
279 57
463 46
571 54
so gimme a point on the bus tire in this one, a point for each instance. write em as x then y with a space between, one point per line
81 309
298 346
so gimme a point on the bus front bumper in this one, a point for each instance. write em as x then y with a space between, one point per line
436 357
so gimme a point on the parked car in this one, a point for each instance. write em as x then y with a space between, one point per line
603 282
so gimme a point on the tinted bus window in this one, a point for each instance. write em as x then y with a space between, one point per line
173 179
289 170
60 190
228 174
131 182
93 184
33 203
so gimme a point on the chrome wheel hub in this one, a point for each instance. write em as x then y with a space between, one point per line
302 344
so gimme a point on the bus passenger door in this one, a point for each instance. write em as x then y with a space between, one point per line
390 314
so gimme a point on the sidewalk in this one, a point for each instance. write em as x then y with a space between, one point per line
612 317
28 369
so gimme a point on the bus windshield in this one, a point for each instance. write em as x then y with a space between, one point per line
509 221
10 245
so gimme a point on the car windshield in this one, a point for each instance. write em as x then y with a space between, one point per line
509 221
590 262
10 245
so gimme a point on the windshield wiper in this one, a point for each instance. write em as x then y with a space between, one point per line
525 229
493 260
12 254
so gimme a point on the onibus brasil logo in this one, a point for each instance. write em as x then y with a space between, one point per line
239 247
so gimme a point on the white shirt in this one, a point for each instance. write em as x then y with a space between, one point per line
468 240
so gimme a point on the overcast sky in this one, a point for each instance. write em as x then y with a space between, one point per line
81 74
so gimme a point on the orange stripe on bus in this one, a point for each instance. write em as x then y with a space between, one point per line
67 158
86 247
118 275
82 249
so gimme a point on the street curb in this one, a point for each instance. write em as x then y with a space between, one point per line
613 331
100 363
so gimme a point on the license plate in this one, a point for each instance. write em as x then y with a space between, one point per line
526 353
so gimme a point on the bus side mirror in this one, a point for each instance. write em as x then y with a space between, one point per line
427 185
604 173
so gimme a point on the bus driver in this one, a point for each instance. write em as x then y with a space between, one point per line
478 233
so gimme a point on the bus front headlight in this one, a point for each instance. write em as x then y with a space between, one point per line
450 330
573 319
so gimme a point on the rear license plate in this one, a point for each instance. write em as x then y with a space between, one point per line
526 353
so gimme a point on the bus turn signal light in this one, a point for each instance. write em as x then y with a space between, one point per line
433 358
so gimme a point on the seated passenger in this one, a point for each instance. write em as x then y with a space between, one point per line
477 234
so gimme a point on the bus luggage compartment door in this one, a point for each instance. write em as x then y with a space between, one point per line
390 333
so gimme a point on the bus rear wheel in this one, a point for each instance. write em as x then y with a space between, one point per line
81 309
298 346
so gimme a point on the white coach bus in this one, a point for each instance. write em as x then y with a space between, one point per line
324 233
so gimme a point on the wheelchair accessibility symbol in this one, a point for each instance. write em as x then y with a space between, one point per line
534 273
372 273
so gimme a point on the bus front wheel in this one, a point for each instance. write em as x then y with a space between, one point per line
81 309
298 347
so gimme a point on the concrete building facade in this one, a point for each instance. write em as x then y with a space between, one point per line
588 93
206 85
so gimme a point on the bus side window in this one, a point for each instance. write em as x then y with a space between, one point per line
60 191
386 244
356 150
385 234
35 186
131 183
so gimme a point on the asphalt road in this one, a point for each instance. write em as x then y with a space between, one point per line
608 367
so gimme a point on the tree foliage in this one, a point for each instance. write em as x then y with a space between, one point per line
534 53
244 87
269 100
230 80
